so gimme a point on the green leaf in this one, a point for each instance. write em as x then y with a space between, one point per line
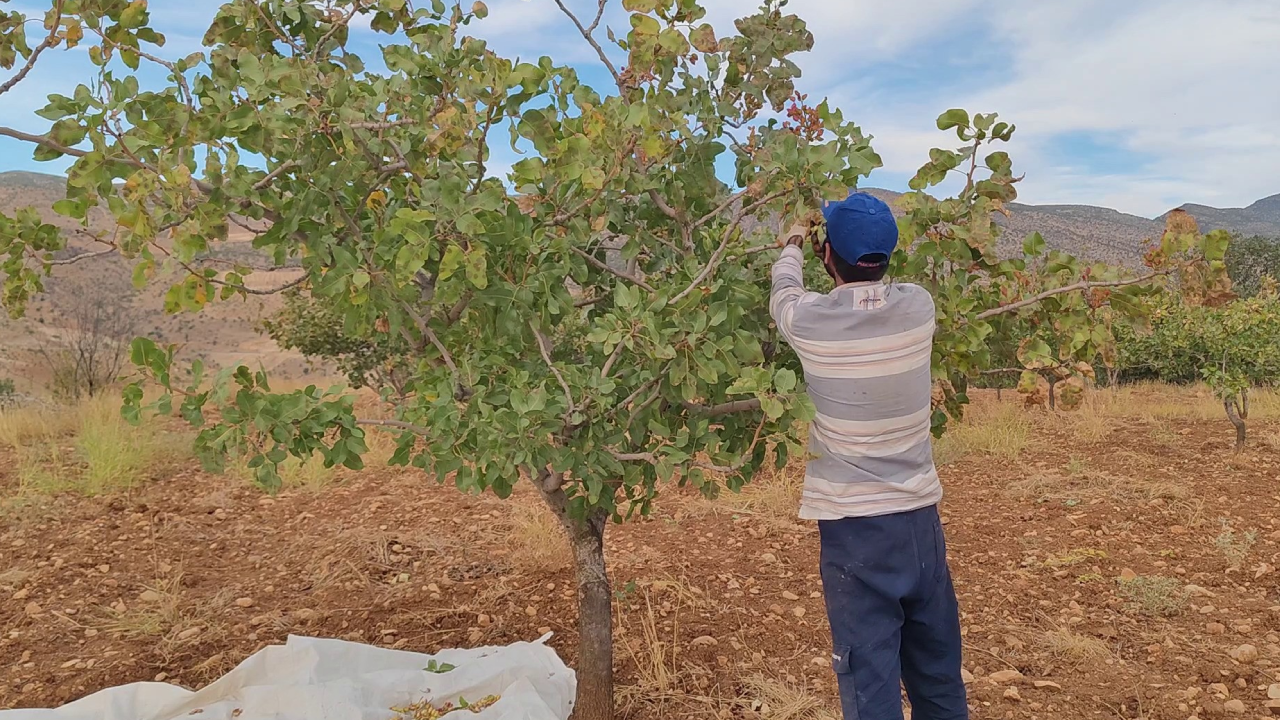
773 407
954 118
453 259
640 6
784 380
644 25
477 268
1034 245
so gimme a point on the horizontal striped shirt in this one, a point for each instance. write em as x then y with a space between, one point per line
866 350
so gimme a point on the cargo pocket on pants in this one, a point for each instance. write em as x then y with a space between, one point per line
843 668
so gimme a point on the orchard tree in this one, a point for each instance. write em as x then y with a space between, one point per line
593 323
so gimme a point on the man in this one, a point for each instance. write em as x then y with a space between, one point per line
871 483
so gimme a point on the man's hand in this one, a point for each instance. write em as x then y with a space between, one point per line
795 235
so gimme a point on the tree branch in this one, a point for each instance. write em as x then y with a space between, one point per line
544 347
84 256
1084 285
271 176
586 34
613 358
398 424
609 269
718 255
729 408
50 40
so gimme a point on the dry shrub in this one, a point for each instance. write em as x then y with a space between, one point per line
1063 643
665 684
165 616
537 541
1154 595
1088 486
773 699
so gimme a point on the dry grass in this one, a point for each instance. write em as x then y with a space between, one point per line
773 699
537 541
23 427
1235 547
1156 400
89 449
773 496
1002 430
1093 421
1067 645
1090 486
1154 595
163 613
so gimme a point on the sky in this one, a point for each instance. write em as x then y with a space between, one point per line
1140 106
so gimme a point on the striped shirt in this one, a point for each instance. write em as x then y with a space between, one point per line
866 351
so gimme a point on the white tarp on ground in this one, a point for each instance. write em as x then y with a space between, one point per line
315 679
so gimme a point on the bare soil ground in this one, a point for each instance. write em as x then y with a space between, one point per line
1119 560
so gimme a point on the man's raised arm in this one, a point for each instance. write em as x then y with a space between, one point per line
788 279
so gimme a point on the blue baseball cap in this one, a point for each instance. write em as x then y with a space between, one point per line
860 225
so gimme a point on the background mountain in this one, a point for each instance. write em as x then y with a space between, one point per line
1100 233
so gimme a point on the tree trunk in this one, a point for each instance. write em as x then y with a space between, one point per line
1053 399
1232 414
1244 404
595 602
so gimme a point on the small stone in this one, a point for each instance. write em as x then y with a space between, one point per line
161 677
258 620
483 620
149 596
1042 684
788 595
1207 609
1128 574
306 615
90 632
769 558
798 612
1244 628
104 568
244 602
266 501
22 594
1197 591
1012 694
1235 707
1220 690
189 633
433 588
219 514
32 609
966 676
1215 628
1245 654
705 641
1273 707
776 609
1005 677
1273 691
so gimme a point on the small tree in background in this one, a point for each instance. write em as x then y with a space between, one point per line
1251 261
86 356
599 331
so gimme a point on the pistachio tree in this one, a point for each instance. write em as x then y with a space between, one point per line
592 322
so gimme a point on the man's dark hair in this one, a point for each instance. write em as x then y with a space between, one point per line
868 268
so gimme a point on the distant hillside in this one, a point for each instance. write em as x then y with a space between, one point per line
226 333
1099 233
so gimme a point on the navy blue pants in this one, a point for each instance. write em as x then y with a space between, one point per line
894 618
